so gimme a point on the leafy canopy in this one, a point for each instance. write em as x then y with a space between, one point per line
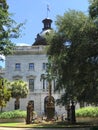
73 51
8 29
5 93
19 89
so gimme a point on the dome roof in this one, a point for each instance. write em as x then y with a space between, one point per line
45 32
40 39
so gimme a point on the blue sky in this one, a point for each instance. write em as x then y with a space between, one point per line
34 11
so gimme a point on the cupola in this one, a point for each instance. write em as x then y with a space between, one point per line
47 23
40 39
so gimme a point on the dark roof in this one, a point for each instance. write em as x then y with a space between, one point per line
40 39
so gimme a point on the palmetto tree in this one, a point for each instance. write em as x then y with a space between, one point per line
49 106
18 90
48 76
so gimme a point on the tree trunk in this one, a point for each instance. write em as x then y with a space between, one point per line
1 108
50 87
17 103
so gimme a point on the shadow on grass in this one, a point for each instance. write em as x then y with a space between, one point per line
50 124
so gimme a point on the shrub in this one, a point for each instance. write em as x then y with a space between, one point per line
87 112
13 114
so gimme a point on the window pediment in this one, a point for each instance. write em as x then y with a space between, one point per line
31 77
16 77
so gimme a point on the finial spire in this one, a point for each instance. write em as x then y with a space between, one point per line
48 10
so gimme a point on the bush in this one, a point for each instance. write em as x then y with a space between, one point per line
13 114
87 112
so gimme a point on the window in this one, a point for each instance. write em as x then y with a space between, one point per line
45 85
44 66
17 66
16 105
31 84
31 66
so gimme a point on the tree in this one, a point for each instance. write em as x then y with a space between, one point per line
49 104
8 29
18 90
5 93
74 54
93 8
93 13
48 76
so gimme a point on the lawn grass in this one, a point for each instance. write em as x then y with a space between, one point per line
49 124
84 112
24 125
16 125
9 124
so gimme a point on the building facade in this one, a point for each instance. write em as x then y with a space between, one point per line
28 63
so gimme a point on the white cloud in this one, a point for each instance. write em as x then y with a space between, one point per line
22 44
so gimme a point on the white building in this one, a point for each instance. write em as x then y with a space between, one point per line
28 63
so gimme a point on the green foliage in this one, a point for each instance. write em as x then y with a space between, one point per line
87 112
8 29
19 89
5 93
13 114
75 62
71 23
93 8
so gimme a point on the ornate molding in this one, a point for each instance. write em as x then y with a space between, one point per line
17 77
30 77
